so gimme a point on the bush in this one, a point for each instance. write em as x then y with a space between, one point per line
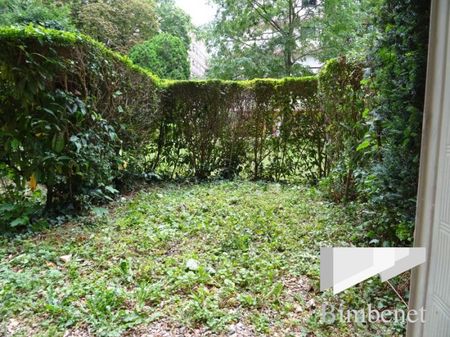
342 103
117 23
165 55
68 109
38 12
398 85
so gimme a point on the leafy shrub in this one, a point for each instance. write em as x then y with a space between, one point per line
59 129
119 24
165 55
398 84
342 103
60 145
38 12
18 210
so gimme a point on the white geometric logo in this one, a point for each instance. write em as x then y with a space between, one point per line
342 268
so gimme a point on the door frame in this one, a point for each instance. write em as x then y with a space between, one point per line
437 98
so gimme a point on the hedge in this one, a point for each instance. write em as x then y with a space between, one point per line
80 119
260 128
69 108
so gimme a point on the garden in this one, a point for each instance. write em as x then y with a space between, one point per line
143 203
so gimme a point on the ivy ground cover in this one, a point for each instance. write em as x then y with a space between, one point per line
212 259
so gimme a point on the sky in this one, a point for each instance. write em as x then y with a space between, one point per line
200 10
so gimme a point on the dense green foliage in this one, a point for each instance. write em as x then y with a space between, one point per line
174 21
347 28
341 99
165 55
119 24
68 109
114 119
261 39
257 127
272 129
214 257
398 86
38 12
273 38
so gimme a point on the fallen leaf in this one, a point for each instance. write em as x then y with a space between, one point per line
66 258
32 183
192 264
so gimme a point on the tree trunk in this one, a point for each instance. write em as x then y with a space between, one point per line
49 201
290 40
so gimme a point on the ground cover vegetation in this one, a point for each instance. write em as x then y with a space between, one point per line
188 260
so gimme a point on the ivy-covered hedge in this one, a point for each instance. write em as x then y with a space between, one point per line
69 108
79 119
341 96
259 128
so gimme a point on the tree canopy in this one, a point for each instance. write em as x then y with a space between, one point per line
119 24
49 14
174 21
262 38
165 55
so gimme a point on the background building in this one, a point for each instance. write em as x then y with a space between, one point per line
198 57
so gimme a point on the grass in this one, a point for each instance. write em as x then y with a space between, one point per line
211 258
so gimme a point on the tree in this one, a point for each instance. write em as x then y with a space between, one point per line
174 21
275 33
261 38
49 14
165 55
119 24
347 28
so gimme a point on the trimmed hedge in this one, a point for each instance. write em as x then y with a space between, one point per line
69 109
261 128
342 101
79 118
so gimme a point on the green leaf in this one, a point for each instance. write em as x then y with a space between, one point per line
58 142
99 211
365 144
15 144
111 189
22 221
6 208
